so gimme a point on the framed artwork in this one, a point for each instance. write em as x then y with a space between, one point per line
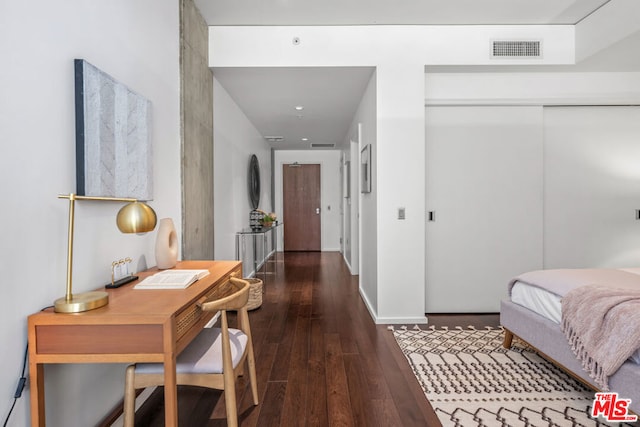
346 180
365 169
113 137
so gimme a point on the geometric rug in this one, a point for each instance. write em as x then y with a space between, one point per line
471 380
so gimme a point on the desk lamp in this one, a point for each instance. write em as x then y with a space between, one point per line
135 217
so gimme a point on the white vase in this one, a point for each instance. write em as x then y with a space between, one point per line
166 244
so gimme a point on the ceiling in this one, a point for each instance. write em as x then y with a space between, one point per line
401 12
329 97
268 96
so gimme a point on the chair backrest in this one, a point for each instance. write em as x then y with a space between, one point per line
231 295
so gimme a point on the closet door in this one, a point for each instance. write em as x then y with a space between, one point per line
592 186
484 202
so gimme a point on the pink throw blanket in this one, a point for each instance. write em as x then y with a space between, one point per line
602 325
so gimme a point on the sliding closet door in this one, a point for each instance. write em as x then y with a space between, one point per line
592 186
484 203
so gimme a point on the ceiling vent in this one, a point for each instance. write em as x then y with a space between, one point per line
274 138
516 49
322 145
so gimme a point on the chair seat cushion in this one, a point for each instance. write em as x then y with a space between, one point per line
204 354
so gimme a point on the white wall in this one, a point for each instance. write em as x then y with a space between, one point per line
532 88
330 190
364 215
235 139
369 45
38 42
351 197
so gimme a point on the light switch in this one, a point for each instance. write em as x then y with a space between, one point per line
400 213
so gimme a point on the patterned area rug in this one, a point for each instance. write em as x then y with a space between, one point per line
471 380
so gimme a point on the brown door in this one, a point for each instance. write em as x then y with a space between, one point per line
301 204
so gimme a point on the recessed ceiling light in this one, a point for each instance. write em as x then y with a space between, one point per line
305 139
299 107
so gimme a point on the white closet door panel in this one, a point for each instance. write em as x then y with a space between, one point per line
484 185
592 186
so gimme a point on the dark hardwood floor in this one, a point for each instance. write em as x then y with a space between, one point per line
321 361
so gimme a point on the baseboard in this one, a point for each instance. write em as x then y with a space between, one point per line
391 320
346 261
372 312
402 320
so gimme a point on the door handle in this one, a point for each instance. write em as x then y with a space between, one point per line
432 216
317 211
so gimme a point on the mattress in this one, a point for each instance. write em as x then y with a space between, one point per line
548 304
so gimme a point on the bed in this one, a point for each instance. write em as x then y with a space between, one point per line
533 313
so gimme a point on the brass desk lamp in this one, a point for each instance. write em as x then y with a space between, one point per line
135 217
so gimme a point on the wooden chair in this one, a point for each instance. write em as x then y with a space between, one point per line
214 359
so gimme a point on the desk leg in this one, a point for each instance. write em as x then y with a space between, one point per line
36 385
170 382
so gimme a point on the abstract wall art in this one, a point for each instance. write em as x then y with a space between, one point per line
113 137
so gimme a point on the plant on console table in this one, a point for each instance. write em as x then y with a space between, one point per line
268 219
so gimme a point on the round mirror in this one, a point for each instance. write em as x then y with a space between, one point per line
254 182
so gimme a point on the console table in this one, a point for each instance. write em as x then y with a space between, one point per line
254 233
138 325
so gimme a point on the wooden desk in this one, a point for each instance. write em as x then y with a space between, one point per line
136 326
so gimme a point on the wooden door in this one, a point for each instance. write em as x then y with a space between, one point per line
301 204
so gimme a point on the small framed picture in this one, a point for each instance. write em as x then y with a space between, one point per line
346 180
365 169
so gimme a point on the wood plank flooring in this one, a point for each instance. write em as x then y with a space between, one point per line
321 361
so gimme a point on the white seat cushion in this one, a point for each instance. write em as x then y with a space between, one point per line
204 354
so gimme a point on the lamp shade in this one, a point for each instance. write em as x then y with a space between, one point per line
136 217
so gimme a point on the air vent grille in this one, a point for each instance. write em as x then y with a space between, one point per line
274 138
516 49
322 145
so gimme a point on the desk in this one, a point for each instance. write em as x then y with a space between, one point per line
138 325
254 233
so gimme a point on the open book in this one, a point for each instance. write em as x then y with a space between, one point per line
172 279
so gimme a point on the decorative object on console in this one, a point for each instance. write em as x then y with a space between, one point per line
122 277
166 244
268 219
255 219
135 217
259 218
254 182
113 142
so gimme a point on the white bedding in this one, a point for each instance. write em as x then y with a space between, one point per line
548 304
